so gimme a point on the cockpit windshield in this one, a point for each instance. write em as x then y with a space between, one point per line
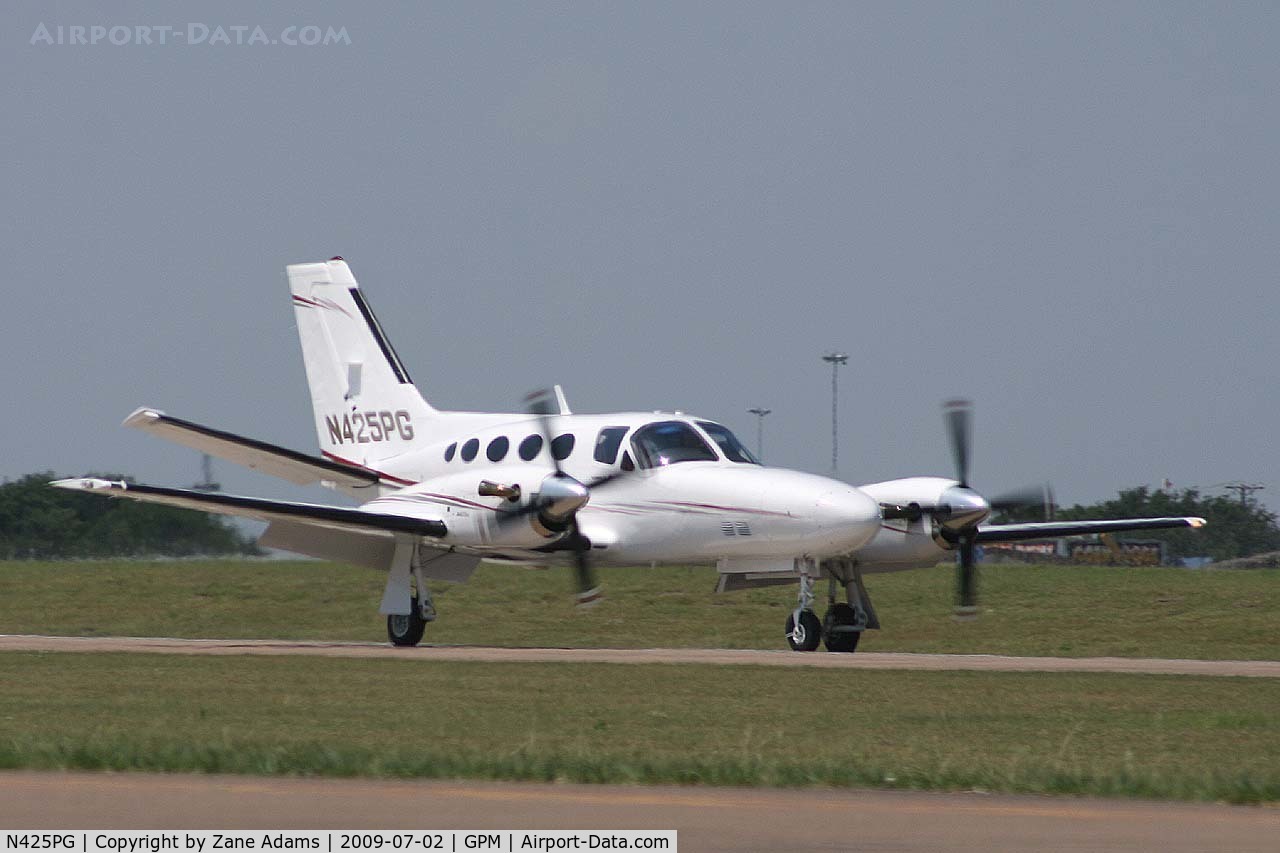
668 443
729 444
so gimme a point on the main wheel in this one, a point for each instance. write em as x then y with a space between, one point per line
836 633
807 635
406 630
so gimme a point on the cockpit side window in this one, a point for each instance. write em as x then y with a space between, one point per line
728 442
607 444
669 443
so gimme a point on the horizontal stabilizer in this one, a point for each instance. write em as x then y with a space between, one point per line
1050 529
268 458
316 515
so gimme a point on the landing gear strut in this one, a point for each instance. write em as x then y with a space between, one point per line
804 631
842 626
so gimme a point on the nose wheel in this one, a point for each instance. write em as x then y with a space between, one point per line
805 634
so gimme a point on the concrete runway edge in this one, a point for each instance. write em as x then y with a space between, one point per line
724 657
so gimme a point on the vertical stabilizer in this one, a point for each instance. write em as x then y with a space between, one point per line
366 407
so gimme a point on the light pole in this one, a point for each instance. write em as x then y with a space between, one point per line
835 359
759 413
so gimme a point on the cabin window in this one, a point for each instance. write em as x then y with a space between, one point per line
470 449
670 443
562 446
728 443
497 449
449 451
607 444
530 447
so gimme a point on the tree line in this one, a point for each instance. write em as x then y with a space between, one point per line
38 522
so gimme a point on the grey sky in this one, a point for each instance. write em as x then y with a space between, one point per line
1067 212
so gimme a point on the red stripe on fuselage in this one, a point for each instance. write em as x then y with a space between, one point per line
382 475
719 508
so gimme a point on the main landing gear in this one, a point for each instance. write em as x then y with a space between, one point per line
844 622
406 629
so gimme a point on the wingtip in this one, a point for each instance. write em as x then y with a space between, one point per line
141 416
87 484
1196 522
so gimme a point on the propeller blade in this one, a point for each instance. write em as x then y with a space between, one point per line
959 419
588 589
1029 497
601 482
966 579
538 404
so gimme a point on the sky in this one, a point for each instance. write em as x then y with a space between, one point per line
1064 212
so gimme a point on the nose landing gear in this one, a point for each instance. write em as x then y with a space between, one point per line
842 626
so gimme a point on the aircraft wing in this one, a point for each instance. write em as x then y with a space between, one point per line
1048 529
259 455
315 515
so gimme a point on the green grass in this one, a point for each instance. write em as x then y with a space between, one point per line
1150 736
1030 610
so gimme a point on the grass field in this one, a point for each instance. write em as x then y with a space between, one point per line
1030 610
1175 737
1151 736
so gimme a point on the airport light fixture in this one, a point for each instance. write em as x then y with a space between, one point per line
835 359
759 413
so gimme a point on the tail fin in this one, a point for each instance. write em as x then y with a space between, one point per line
366 408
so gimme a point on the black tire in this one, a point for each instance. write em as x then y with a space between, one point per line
810 633
406 630
835 629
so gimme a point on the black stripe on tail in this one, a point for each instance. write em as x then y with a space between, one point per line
393 360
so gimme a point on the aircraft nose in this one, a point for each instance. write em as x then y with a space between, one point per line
849 517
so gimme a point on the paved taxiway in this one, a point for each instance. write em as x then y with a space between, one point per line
860 660
706 818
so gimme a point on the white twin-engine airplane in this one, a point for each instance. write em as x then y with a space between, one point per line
441 491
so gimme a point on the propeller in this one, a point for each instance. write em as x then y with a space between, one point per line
961 509
961 523
555 508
